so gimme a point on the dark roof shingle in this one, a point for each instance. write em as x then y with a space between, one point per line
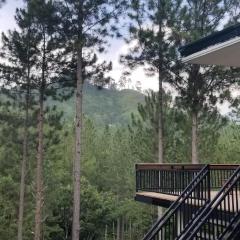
210 40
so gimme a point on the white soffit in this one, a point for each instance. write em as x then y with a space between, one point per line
224 54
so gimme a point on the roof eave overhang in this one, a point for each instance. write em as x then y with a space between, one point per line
224 54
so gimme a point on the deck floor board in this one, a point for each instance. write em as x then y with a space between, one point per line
171 198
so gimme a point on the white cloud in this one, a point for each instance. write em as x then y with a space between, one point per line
138 75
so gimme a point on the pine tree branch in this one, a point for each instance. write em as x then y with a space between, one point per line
110 15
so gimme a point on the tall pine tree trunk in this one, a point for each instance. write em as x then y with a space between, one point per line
78 129
160 121
39 172
78 148
106 232
160 82
113 230
119 229
39 169
194 138
160 92
122 229
24 162
130 229
160 131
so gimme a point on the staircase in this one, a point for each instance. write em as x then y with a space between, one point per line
196 216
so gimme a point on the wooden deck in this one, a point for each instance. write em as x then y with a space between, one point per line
165 200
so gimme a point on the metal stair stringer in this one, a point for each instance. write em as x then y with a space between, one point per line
234 233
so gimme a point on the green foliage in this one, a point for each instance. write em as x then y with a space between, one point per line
227 149
177 131
10 157
96 212
107 184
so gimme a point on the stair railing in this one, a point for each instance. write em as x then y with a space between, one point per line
234 233
216 219
191 202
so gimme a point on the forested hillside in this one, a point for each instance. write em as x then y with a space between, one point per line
104 106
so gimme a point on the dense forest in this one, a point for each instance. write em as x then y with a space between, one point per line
70 135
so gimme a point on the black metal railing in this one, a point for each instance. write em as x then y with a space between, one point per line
172 179
219 174
220 216
166 178
191 202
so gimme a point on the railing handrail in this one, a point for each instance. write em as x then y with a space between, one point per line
182 197
235 229
183 166
233 221
201 219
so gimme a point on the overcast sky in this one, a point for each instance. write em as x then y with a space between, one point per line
7 14
117 48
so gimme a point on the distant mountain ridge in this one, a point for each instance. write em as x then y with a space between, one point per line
103 106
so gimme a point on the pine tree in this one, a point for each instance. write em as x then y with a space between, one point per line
150 27
144 126
18 51
11 149
199 86
47 68
87 24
